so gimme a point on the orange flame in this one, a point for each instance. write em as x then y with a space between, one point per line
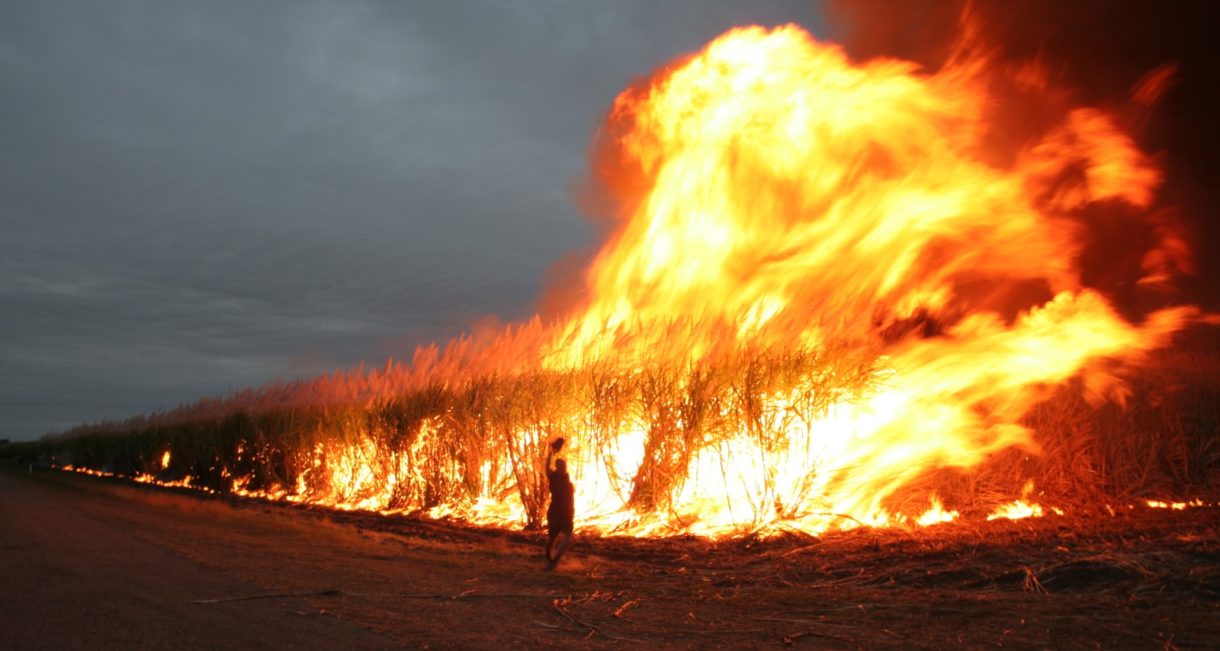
777 195
779 199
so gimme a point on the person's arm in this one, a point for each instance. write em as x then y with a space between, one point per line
556 446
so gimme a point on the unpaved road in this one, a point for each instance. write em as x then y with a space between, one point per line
101 564
73 578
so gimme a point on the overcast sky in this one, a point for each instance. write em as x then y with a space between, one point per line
204 196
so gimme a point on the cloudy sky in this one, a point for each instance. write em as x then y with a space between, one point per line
204 196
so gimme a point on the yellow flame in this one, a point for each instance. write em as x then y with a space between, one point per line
936 514
1017 510
777 198
778 195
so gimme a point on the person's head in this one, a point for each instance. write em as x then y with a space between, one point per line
561 465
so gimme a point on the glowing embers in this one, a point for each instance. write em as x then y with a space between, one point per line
936 514
1176 506
509 513
1017 510
1022 508
142 478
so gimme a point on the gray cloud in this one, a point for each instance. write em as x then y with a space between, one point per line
198 196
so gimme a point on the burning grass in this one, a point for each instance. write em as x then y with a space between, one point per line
836 294
454 446
475 450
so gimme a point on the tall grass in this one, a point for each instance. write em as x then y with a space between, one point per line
421 435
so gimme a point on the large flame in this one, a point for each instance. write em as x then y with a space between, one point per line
776 195
827 280
782 193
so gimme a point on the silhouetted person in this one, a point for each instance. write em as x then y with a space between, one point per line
562 510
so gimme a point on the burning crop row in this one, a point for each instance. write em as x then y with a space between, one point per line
472 451
835 291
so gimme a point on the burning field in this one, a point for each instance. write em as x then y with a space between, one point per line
834 294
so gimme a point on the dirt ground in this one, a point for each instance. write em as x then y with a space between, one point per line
99 563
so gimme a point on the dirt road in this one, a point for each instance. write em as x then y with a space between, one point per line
75 577
96 563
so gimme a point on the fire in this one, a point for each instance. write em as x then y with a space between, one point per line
1022 508
791 197
1017 510
778 196
827 281
1176 506
936 514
